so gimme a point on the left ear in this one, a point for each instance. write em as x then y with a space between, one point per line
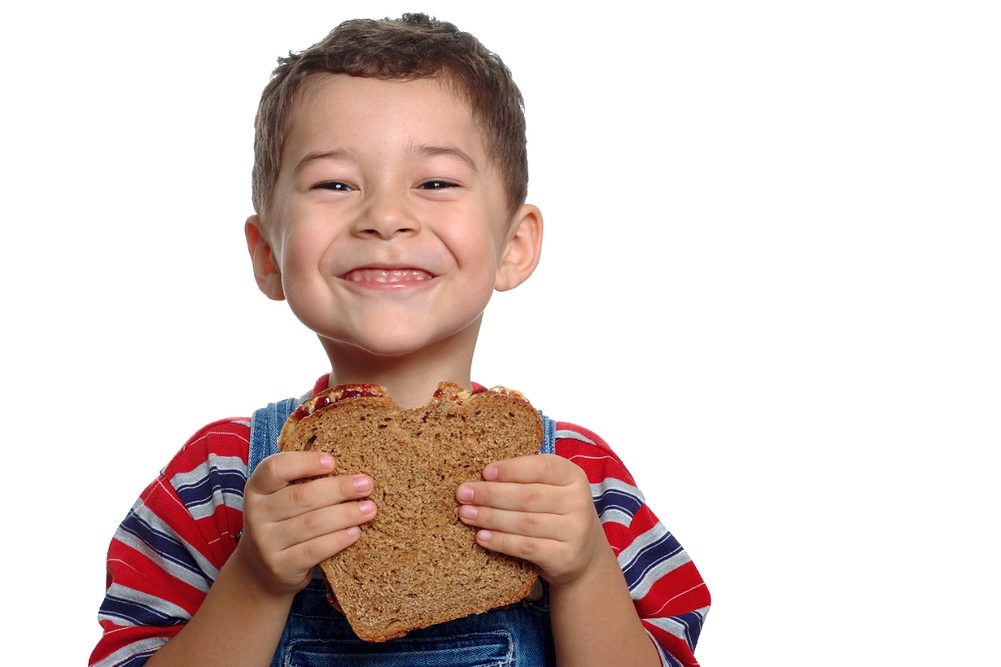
524 246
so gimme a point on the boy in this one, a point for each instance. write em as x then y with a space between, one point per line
389 185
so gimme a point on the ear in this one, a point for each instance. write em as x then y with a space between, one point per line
269 277
523 249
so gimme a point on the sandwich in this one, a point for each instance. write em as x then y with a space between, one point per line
416 564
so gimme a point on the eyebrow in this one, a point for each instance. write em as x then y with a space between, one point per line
424 150
336 154
432 151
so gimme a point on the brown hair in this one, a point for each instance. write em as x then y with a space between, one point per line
412 47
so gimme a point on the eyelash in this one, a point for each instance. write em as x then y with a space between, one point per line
340 186
437 184
335 186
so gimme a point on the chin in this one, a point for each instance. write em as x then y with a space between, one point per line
391 346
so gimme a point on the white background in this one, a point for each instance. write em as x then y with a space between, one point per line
771 281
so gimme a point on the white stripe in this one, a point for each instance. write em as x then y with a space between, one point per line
616 515
670 626
701 612
161 605
573 435
209 571
204 564
168 566
225 434
641 542
660 649
135 648
653 575
204 469
219 497
610 483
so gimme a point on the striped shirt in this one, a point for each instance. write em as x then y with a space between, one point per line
169 549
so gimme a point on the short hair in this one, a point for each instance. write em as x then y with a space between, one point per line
412 47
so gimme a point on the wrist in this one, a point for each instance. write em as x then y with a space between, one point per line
599 567
246 570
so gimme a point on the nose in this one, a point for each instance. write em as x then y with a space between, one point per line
385 215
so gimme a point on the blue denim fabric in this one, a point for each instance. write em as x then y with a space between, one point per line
316 634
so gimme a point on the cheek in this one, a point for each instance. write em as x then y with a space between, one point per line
305 241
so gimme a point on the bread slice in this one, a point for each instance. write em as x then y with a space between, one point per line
416 564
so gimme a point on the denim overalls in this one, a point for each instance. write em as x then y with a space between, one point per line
316 634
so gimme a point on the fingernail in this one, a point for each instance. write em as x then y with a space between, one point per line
468 512
327 461
366 507
362 484
353 531
465 494
490 472
484 535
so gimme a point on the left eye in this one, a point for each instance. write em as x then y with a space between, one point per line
336 186
436 184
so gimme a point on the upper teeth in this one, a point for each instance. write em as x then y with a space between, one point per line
388 275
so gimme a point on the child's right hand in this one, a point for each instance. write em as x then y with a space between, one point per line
289 528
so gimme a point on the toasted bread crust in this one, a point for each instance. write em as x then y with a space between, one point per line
416 564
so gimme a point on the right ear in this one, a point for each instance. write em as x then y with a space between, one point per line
266 271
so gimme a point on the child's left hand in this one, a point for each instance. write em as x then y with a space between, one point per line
537 508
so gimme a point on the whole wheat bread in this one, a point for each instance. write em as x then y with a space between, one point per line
416 564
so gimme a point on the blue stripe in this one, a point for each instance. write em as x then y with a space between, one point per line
218 481
671 660
166 546
137 613
648 557
137 660
693 624
617 499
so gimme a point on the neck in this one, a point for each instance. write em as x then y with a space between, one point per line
410 379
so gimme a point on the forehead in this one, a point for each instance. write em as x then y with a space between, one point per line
376 115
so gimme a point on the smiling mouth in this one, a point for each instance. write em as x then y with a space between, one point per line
388 277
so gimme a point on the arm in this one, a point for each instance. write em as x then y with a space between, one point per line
288 530
167 603
663 590
539 508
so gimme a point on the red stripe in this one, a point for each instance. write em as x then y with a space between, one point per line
678 648
146 576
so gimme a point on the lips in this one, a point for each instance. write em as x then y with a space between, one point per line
389 277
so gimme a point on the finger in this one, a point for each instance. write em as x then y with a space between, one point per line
528 524
533 549
309 554
534 468
278 470
513 496
298 499
311 525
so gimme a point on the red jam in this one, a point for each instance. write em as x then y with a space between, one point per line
338 393
356 390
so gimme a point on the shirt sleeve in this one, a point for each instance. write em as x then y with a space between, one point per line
167 552
669 594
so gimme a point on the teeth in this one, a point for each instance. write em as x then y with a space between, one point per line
388 276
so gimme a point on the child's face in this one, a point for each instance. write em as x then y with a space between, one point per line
389 227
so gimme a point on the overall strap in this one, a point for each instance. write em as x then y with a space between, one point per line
265 426
548 435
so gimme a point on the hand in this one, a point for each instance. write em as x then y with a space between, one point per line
290 528
537 508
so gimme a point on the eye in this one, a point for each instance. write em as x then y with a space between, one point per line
436 184
335 186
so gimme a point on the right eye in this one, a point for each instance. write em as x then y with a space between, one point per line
335 186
